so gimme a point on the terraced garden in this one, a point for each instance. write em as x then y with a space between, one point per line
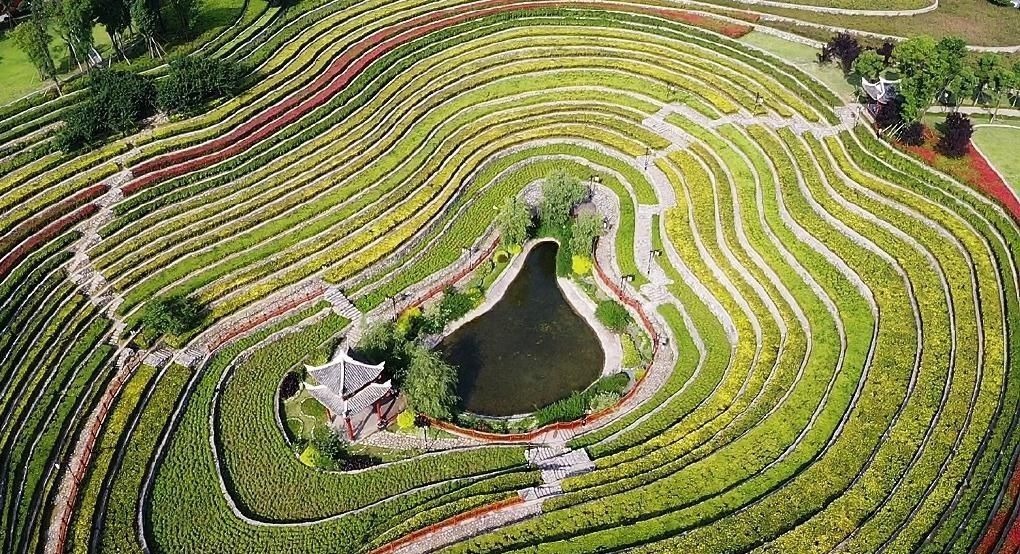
835 324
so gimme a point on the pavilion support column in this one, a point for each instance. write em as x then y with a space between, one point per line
350 428
378 409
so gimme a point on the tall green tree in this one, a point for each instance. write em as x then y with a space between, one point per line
561 191
963 86
74 19
115 17
869 65
583 232
145 17
513 222
32 39
995 80
431 384
115 103
185 11
193 81
174 315
924 75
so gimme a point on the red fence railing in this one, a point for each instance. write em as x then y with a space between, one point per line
78 473
391 547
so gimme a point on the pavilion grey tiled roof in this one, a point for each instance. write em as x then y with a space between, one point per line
340 406
345 376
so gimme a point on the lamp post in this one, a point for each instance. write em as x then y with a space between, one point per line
655 252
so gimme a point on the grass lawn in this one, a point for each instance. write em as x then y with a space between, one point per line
305 417
1001 145
20 76
978 22
804 57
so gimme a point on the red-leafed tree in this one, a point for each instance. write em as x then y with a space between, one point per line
956 133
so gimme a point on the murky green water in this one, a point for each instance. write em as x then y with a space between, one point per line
529 350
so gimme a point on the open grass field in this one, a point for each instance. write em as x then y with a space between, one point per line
979 22
836 324
19 75
999 145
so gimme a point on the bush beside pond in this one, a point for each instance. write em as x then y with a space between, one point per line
613 315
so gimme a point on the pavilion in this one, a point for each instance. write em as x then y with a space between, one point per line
347 387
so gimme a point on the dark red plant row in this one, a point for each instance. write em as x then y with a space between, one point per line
51 231
248 324
26 228
346 67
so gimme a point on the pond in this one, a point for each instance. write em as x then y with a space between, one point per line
529 350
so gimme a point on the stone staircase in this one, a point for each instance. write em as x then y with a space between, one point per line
555 463
657 294
677 137
341 304
191 356
159 357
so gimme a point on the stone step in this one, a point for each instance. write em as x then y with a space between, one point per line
190 357
539 454
539 492
159 357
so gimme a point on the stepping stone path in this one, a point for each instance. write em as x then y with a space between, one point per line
344 307
341 304
80 269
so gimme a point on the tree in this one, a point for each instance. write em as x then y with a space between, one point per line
886 51
843 47
513 222
193 81
31 38
145 16
185 10
175 315
586 227
332 447
75 24
869 65
115 16
995 80
382 342
956 133
1016 80
963 86
560 193
952 51
925 74
115 103
431 384
290 385
913 133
